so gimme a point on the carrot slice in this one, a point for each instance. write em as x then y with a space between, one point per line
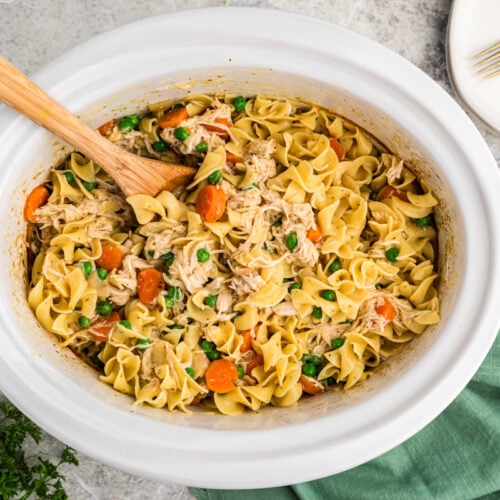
232 158
111 257
150 283
389 192
173 118
254 361
314 234
222 131
246 341
211 203
386 310
221 375
311 385
106 128
338 148
37 198
100 330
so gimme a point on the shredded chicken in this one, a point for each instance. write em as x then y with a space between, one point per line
285 309
245 281
217 118
394 173
188 270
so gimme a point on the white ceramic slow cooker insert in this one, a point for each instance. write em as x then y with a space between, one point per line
250 51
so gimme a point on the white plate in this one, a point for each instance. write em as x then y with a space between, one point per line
474 26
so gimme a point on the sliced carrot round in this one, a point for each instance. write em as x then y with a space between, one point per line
314 234
390 191
221 375
221 131
311 385
173 118
246 341
37 198
150 283
254 361
386 310
111 257
100 330
338 148
211 203
232 158
106 128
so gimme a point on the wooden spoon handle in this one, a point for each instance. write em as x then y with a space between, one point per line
20 93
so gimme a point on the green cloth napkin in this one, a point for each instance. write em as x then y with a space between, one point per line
457 456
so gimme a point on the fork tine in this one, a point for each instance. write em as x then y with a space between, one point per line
491 75
490 67
487 51
487 59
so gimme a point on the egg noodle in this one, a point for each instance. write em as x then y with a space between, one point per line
300 257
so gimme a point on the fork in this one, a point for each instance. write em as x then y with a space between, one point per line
489 60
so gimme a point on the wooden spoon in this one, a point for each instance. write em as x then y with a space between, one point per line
134 174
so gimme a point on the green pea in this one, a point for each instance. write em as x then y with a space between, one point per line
143 343
168 258
89 186
102 274
169 302
292 241
178 105
328 295
311 358
128 123
334 266
207 346
190 371
70 178
392 254
337 343
181 133
239 104
84 322
150 253
175 293
175 327
423 221
331 381
317 313
160 146
126 324
277 223
378 286
203 255
104 308
241 371
294 286
213 355
201 147
211 301
87 268
309 369
215 177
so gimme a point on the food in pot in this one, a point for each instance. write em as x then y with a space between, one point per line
298 260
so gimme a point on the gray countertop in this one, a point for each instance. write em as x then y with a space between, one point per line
32 33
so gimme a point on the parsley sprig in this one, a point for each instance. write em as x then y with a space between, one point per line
18 478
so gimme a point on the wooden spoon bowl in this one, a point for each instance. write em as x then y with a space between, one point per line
134 174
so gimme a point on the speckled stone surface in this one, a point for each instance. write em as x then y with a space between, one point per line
32 33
